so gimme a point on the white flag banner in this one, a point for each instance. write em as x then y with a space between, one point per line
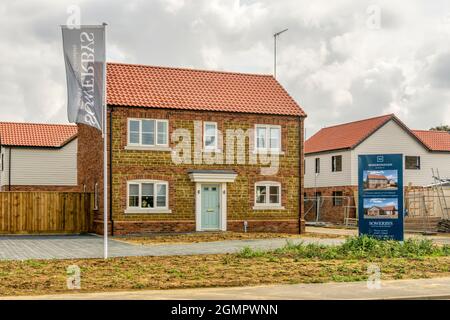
84 56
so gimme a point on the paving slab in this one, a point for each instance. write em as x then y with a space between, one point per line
20 247
91 246
435 288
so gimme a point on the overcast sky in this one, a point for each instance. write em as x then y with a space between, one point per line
340 60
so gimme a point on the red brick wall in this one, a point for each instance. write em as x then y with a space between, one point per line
135 227
328 212
302 176
132 164
90 164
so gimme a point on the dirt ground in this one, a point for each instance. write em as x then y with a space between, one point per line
35 277
196 237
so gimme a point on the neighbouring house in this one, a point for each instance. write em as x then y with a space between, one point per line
376 181
331 159
38 157
389 210
392 183
193 150
373 211
377 211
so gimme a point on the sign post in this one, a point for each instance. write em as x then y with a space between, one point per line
380 190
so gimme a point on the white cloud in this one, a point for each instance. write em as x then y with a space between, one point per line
173 6
211 57
329 61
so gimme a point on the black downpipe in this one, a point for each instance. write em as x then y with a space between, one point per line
9 170
110 171
300 174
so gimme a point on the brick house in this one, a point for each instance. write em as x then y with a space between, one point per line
377 181
331 160
194 150
38 157
377 211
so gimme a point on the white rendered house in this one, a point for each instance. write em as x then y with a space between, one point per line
38 157
331 156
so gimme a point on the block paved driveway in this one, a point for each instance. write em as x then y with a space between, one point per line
91 246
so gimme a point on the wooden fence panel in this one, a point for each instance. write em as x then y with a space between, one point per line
45 212
4 211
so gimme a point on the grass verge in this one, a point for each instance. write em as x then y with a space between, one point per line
291 264
356 248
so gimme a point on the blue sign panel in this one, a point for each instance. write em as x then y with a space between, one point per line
380 190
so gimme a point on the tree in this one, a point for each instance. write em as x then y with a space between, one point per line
444 127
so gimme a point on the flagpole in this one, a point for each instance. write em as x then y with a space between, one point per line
105 159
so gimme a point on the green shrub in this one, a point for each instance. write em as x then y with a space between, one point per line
248 252
363 247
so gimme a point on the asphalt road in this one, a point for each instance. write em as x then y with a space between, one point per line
435 288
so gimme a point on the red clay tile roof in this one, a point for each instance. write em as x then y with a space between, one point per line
36 135
349 135
344 136
177 88
434 140
376 176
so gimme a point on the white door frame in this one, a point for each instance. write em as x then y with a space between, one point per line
222 205
221 179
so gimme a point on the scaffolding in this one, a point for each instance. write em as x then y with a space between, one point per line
439 190
426 208
318 208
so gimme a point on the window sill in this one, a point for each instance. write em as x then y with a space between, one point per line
275 207
146 211
281 153
212 151
149 148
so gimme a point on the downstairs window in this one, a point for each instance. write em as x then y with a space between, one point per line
147 195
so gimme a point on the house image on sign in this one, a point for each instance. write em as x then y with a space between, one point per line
38 157
172 135
376 181
381 211
331 161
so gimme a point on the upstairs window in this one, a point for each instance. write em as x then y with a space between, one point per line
148 132
336 163
412 162
317 165
268 138
210 135
147 194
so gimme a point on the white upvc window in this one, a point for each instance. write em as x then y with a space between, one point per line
267 138
147 196
268 194
148 132
210 135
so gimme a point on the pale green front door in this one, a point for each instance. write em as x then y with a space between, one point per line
210 207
